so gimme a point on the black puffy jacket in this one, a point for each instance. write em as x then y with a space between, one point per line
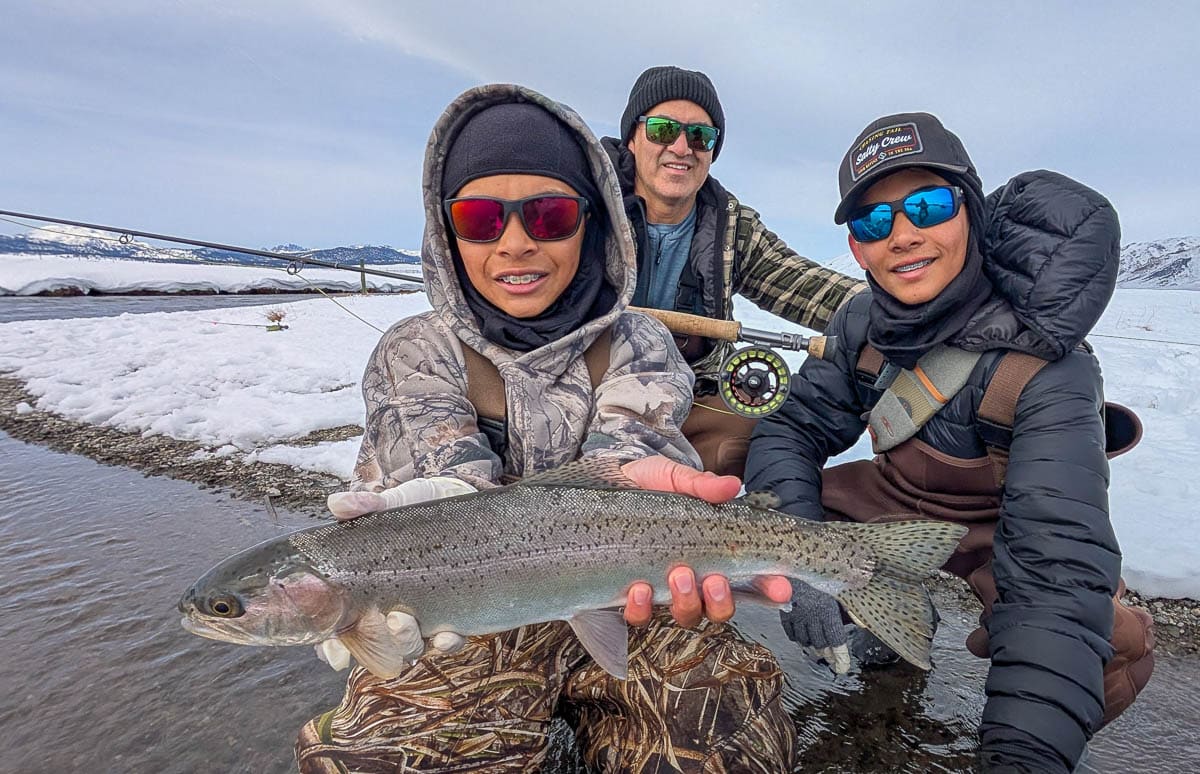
1051 249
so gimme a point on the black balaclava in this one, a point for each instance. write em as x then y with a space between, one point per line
522 138
905 332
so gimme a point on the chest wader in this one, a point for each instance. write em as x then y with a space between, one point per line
913 479
485 390
720 436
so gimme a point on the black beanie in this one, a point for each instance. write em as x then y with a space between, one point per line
661 84
518 138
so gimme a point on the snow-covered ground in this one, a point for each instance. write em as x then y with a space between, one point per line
221 379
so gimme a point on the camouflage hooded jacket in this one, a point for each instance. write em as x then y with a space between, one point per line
419 420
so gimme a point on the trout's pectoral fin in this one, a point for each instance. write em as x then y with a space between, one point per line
605 636
384 651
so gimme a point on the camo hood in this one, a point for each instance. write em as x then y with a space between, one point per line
442 283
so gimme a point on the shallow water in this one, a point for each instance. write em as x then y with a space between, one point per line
99 676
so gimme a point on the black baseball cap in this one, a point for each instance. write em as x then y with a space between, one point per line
895 142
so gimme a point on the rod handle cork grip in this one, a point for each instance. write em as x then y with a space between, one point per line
694 325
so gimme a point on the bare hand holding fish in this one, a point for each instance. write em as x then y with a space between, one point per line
564 545
712 598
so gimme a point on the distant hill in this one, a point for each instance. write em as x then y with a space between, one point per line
1163 263
69 240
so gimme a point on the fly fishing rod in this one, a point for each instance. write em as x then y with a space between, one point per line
752 382
296 259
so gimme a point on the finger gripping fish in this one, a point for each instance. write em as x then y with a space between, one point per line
562 545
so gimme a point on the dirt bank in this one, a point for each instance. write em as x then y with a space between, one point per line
1177 621
160 456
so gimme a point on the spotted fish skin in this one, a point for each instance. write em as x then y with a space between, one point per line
565 545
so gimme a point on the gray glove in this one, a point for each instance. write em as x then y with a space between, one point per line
815 624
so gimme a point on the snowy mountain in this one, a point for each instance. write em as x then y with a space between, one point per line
1172 264
89 243
1163 263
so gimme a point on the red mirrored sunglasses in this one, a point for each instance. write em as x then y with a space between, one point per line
546 218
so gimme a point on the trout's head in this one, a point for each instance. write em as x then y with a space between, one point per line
267 595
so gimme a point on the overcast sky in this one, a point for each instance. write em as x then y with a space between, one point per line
262 122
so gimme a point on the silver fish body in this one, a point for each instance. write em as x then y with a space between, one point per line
564 545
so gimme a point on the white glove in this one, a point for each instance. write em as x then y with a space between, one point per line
405 627
351 505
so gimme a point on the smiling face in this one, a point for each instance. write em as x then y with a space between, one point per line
518 274
912 264
668 177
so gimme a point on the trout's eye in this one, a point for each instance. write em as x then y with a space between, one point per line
225 606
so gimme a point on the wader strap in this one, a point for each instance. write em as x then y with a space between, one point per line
598 356
873 370
915 396
998 408
870 363
485 388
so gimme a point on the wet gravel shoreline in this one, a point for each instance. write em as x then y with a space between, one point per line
1177 621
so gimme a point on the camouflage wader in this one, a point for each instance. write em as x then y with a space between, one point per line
917 481
697 700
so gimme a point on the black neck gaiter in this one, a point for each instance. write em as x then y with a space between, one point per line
905 332
587 297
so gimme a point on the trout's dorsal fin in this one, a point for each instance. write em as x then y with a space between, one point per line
760 499
605 636
592 473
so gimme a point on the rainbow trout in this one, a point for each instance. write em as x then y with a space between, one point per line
562 545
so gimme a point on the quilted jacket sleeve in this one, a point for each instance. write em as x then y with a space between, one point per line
1056 566
821 417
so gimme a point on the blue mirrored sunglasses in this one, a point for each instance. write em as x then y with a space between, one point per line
924 207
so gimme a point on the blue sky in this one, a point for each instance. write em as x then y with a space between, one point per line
305 121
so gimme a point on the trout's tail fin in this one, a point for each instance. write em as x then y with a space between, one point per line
894 605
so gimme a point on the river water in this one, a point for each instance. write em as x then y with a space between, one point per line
99 676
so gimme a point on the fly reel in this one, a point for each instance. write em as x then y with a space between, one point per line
754 381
